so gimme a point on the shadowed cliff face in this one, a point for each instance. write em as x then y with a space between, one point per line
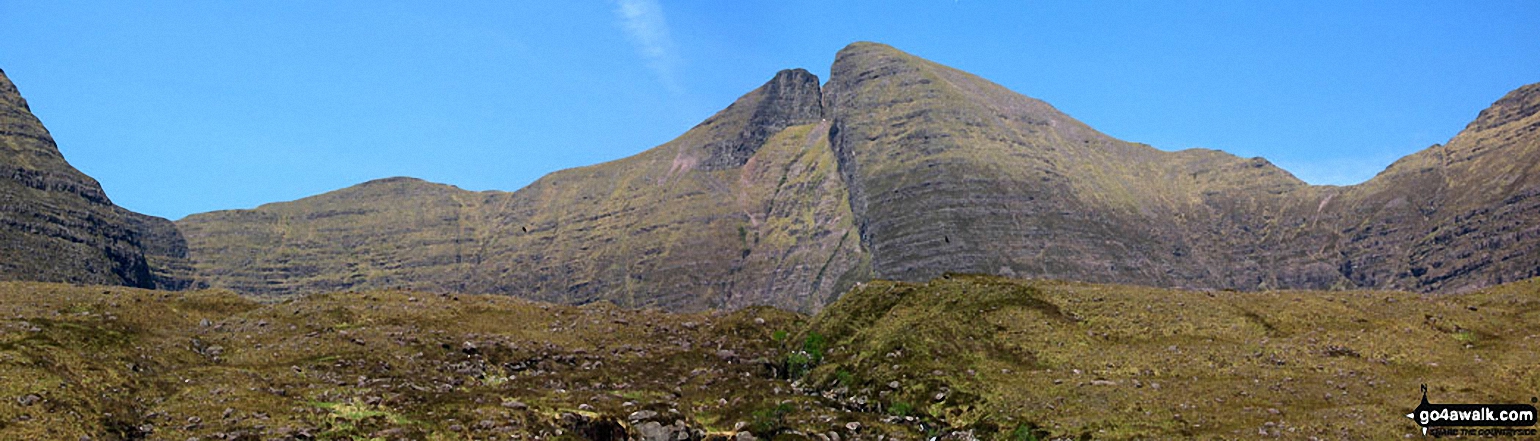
57 225
901 168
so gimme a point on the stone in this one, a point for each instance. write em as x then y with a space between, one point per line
652 431
642 415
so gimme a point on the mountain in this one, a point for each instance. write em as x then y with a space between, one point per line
950 172
901 168
57 225
746 208
1454 217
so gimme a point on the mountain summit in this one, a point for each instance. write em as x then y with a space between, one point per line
791 98
902 168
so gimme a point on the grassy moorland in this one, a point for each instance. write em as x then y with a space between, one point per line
960 356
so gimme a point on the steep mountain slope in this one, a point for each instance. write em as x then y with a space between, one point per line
745 208
1454 217
56 223
949 172
901 168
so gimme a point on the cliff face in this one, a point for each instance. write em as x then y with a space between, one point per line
57 225
901 168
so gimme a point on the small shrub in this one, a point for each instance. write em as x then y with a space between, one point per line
779 337
1027 432
352 420
495 377
768 422
814 346
798 364
1465 336
845 378
900 408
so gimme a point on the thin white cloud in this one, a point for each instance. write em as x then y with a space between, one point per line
644 24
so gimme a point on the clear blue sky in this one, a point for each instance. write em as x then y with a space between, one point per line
184 107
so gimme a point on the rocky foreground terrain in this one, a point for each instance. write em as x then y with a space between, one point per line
958 357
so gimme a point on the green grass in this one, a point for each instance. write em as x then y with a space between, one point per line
354 421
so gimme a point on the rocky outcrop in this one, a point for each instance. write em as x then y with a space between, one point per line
791 98
57 225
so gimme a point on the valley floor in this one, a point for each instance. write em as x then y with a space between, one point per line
958 357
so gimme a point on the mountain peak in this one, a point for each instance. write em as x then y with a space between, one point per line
8 94
861 61
61 226
792 97
791 77
28 154
406 180
868 47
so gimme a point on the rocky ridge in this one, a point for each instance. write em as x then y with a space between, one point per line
901 168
